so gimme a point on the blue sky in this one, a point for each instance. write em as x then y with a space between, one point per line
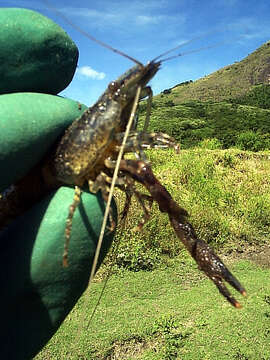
146 28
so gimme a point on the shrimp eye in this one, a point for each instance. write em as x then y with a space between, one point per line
114 86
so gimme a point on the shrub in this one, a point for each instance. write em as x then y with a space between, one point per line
169 103
259 96
210 144
252 141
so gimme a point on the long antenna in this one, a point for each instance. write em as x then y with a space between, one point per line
76 27
193 51
185 43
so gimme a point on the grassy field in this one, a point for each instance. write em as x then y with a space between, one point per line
171 313
157 305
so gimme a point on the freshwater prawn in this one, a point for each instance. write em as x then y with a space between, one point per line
93 149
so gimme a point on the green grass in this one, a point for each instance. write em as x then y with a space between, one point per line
171 313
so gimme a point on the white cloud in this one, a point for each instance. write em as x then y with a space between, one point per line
145 20
90 73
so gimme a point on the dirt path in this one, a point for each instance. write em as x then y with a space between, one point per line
259 255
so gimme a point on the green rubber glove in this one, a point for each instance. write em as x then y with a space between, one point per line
37 292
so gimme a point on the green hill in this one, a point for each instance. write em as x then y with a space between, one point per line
230 107
228 83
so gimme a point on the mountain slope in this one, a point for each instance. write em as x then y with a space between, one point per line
228 83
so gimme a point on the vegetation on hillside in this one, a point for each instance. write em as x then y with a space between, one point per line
258 96
231 125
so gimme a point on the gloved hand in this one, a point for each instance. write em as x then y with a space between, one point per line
37 292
